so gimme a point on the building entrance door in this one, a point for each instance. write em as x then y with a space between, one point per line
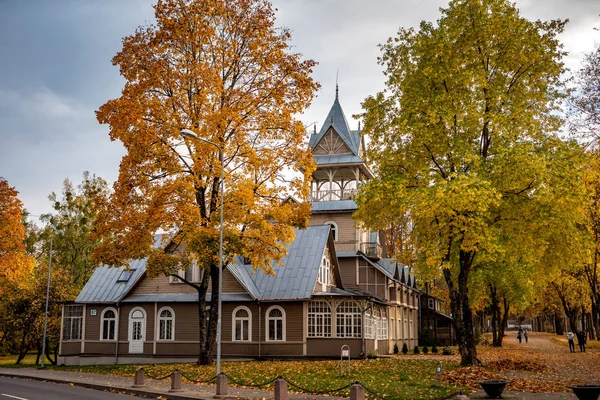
137 331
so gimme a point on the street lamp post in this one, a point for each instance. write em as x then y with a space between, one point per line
192 135
46 312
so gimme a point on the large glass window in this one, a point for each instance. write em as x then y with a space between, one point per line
166 324
348 320
108 324
369 325
72 322
319 319
275 324
384 325
242 323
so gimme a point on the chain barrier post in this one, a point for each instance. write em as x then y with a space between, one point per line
222 386
176 382
357 392
281 389
345 352
139 379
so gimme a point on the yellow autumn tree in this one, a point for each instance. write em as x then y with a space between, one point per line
223 70
15 264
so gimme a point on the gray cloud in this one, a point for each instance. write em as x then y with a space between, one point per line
55 71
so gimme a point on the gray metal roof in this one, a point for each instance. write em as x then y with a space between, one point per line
326 159
298 276
388 264
340 124
103 287
333 205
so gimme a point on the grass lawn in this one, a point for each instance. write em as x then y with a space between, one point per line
403 377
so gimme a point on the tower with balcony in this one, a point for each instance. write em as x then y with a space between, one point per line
339 154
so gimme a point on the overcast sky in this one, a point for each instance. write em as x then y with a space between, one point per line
55 71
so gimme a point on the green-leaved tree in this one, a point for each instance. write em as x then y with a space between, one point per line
465 137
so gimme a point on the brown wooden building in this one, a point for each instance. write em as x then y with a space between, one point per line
335 288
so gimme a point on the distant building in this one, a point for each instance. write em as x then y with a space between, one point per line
435 326
335 287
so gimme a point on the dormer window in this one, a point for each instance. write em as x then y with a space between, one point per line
334 229
325 271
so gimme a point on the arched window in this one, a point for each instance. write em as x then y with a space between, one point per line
319 319
334 229
275 324
324 276
108 324
166 324
348 320
242 324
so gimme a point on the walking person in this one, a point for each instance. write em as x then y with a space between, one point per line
520 335
570 338
526 336
581 338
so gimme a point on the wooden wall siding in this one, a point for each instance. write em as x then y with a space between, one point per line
106 348
348 271
161 285
177 349
281 349
244 349
124 349
186 320
372 280
70 348
331 141
345 222
332 347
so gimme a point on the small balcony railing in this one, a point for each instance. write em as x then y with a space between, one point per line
334 194
370 249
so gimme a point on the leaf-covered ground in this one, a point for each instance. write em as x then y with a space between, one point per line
542 365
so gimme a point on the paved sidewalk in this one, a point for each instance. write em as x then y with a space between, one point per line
154 389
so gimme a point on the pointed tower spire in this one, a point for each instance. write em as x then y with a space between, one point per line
337 89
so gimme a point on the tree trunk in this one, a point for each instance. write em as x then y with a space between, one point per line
558 325
503 323
495 311
461 310
202 290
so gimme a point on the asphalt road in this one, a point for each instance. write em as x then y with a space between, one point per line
23 389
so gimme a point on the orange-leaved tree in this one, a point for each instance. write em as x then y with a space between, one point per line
222 69
15 263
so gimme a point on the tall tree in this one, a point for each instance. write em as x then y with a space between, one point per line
15 263
222 69
465 143
71 224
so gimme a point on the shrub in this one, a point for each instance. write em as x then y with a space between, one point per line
434 349
372 354
416 350
447 351
404 348
396 350
425 350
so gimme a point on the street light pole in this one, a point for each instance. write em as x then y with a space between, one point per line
192 135
46 312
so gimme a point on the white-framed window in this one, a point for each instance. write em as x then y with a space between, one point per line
348 320
369 325
384 325
325 270
431 303
242 324
275 325
166 324
72 322
319 319
193 274
334 229
108 324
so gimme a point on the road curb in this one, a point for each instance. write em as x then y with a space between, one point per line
118 389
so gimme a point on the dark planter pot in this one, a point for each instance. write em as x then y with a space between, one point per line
586 392
493 389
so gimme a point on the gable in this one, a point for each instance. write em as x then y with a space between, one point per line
331 143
